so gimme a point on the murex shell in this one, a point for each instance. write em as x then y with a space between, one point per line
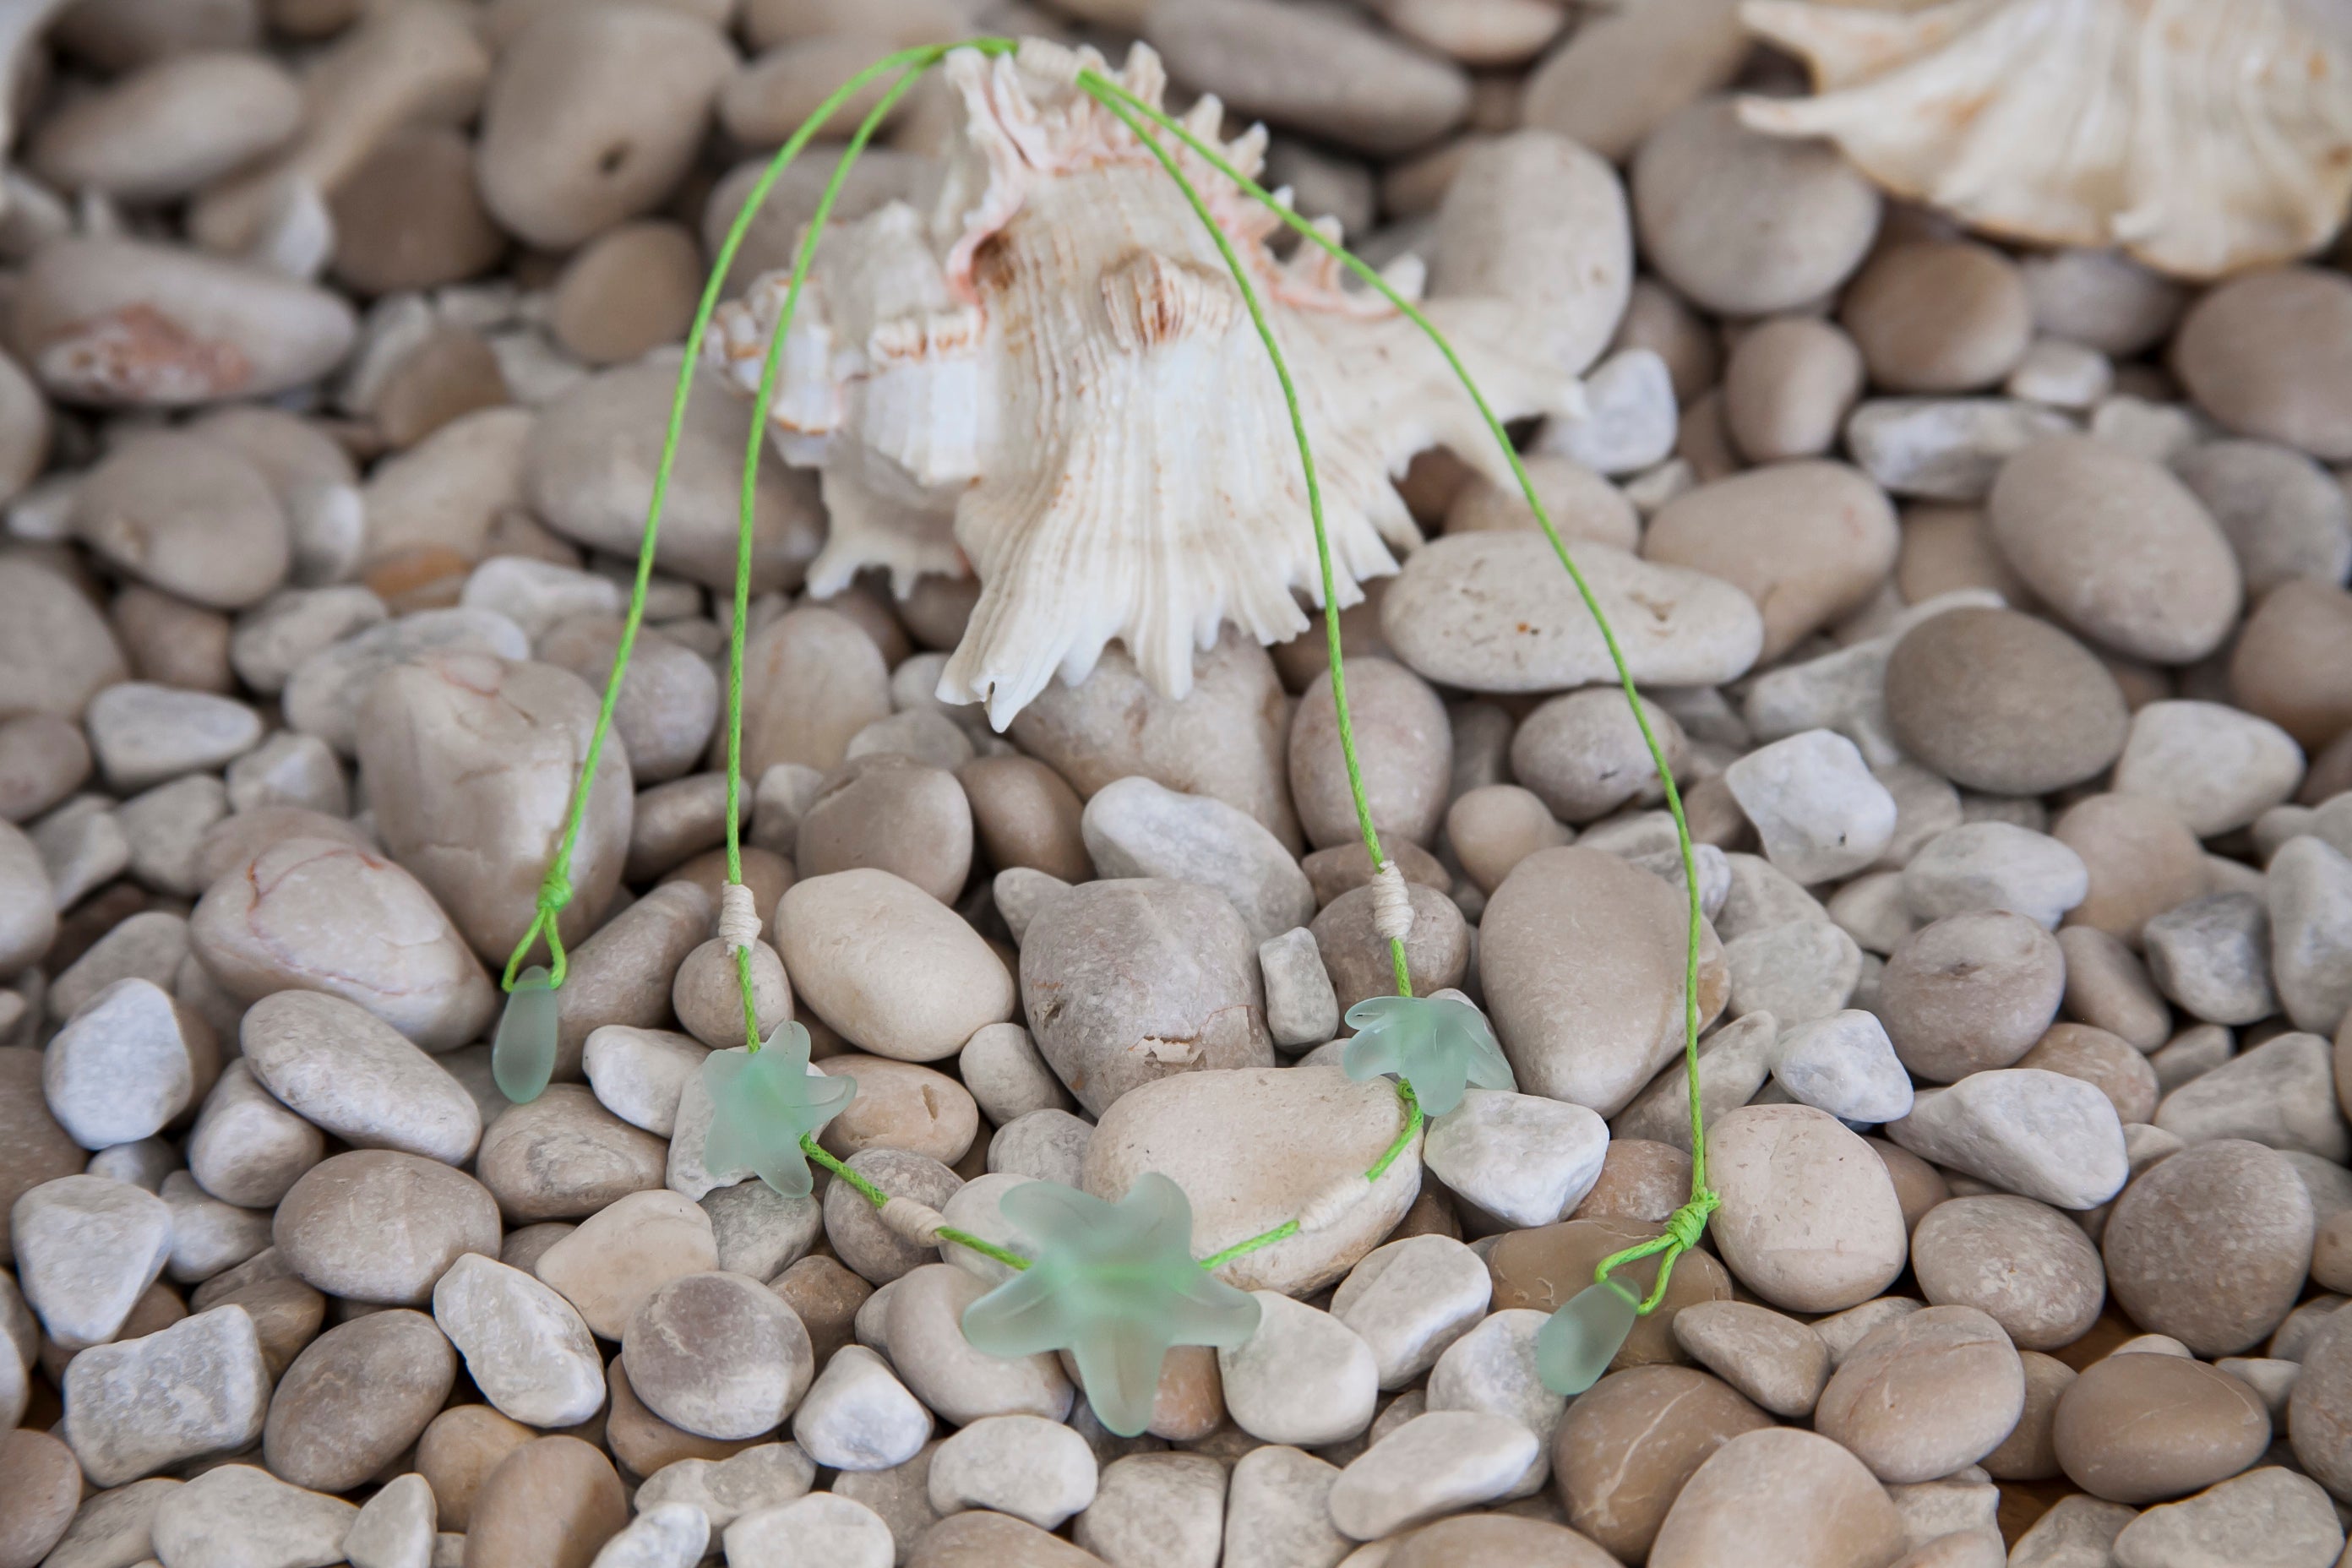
1055 382
2201 135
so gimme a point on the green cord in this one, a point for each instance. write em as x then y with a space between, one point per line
1093 84
770 368
1687 1223
555 887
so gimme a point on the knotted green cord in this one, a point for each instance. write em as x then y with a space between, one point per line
1688 1223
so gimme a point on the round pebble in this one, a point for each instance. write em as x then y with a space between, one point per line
2210 1245
2025 1264
2000 702
2264 355
2141 1428
1939 316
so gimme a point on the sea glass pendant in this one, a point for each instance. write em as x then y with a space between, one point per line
1114 1284
523 1053
1439 1045
762 1103
1577 1343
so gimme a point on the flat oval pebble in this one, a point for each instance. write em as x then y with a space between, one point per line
1630 1442
1743 223
1496 612
1325 74
2001 701
337 1065
2262 353
2024 1263
2210 1245
1925 1394
355 1398
2140 1429
2123 551
1779 1496
1808 541
1809 1219
378 1226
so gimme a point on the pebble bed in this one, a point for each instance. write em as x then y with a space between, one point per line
1988 605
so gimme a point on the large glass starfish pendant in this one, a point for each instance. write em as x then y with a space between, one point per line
762 1103
1439 1045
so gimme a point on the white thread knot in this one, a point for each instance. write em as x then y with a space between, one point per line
1392 903
1324 1209
918 1223
739 917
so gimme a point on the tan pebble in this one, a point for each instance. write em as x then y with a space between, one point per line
1580 503
1922 1397
2142 860
1939 316
1919 1187
119 322
171 642
1809 541
1629 1444
2123 551
1580 955
186 516
2211 1244
167 129
825 1296
1361 965
901 1105
2000 702
2109 988
1542 1268
2026 1265
821 681
1620 74
765 101
644 1442
356 1398
708 995
2265 354
1585 754
410 217
1775 1361
2140 1429
40 1489
552 1503
631 289
563 1156
1329 74
1641 1180
458 1451
1658 319
2122 1073
450 374
610 1262
2293 661
1404 754
888 812
1495 827
1344 868
1970 992
1950 549
892 969
1024 814
588 473
1787 387
1779 1496
1810 1220
2030 1453
593 116
1743 223
2331 1253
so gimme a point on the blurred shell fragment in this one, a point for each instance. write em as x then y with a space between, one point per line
1053 382
2201 136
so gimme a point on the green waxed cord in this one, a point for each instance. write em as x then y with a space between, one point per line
555 889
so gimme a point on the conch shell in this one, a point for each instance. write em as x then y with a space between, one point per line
2201 135
1055 382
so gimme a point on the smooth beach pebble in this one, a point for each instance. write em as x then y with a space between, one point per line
2124 551
2000 702
2264 355
1939 316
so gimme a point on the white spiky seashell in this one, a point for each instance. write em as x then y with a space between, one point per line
1054 382
2199 135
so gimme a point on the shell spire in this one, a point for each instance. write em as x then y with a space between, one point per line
2203 136
1053 382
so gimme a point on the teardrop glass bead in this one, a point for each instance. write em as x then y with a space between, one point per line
523 1053
1577 1343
